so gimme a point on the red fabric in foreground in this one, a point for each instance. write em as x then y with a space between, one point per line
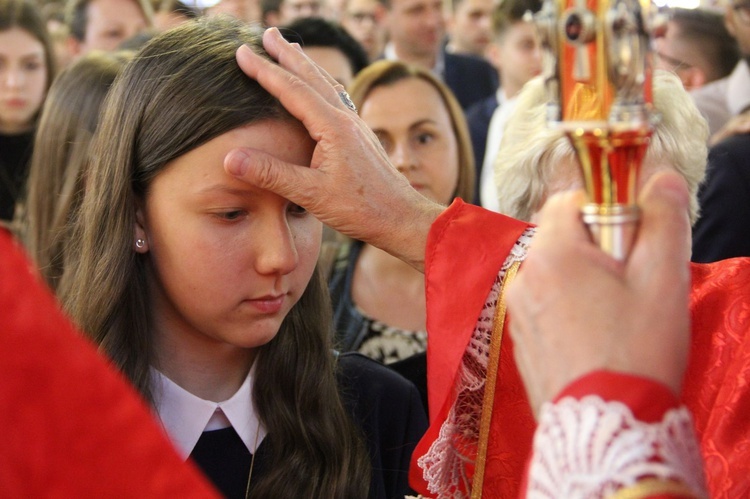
73 426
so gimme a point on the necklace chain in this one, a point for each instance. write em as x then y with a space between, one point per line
252 462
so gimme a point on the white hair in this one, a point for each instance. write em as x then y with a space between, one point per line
531 151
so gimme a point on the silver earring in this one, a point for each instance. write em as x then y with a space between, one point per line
140 243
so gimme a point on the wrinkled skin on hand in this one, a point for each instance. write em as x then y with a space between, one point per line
350 184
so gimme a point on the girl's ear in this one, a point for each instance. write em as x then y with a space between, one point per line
141 237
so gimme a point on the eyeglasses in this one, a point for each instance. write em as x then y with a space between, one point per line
674 64
743 11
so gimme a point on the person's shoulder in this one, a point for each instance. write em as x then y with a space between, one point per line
469 62
369 384
370 376
713 90
727 160
739 143
482 109
379 398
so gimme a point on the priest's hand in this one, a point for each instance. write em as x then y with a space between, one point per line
350 185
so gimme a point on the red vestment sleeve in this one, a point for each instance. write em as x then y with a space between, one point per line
73 426
466 248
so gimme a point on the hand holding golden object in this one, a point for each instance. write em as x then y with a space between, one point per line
598 80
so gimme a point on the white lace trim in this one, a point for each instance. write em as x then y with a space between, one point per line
444 464
590 448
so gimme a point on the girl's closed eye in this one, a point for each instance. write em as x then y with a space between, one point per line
32 65
231 215
296 209
113 34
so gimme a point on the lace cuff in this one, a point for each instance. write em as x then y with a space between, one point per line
590 448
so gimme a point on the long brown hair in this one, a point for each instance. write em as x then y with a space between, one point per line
68 121
385 73
183 89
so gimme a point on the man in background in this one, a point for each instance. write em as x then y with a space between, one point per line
696 46
728 97
515 52
245 10
329 45
364 20
105 24
417 29
469 24
283 12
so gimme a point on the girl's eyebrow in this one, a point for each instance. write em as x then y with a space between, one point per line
225 189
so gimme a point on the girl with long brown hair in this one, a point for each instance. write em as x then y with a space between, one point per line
204 290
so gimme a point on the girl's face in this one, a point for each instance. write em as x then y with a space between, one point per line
415 129
228 261
23 80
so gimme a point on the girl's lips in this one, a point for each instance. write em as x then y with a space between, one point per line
268 304
15 103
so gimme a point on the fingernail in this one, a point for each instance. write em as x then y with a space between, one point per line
274 32
245 48
237 163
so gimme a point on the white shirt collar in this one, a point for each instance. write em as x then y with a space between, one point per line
389 53
185 417
738 88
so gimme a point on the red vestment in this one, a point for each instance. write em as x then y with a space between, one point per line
467 247
73 426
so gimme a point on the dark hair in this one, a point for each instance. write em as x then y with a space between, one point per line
24 14
707 33
177 7
183 89
76 16
268 6
319 32
510 12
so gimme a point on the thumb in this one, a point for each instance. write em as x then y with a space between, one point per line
267 172
665 226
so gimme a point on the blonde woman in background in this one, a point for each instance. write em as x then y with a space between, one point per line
379 302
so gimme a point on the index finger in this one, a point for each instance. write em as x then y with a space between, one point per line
291 57
306 93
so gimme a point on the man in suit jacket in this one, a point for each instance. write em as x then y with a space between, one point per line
417 31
